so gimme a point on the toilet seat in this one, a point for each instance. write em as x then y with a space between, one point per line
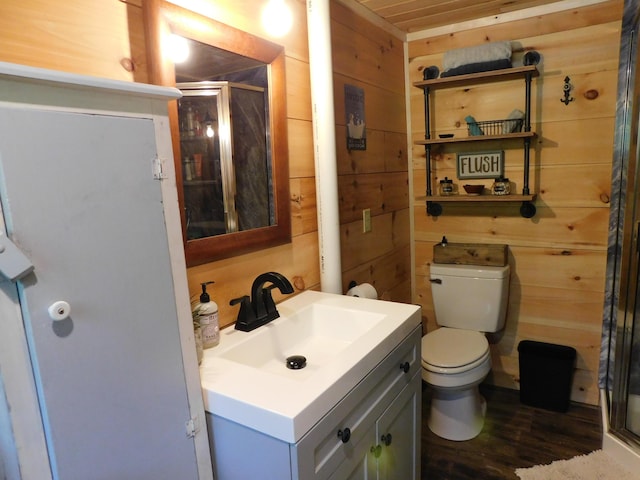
452 350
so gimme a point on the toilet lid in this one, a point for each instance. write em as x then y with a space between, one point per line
451 348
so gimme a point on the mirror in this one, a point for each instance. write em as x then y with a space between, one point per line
229 133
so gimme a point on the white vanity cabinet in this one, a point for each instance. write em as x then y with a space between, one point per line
350 440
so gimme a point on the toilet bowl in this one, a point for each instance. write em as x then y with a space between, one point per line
456 357
454 363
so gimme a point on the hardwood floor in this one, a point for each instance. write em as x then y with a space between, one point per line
514 436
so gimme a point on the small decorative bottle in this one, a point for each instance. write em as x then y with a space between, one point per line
501 186
191 127
186 164
197 124
447 187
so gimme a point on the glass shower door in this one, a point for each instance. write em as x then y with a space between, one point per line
624 328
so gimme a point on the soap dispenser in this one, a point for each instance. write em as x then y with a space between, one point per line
207 311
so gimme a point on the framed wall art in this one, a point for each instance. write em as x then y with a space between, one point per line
480 164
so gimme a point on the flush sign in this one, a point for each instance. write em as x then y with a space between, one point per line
481 164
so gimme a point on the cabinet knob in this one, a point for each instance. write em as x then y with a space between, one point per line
386 439
376 450
344 435
405 366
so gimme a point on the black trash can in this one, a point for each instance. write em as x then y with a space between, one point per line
546 371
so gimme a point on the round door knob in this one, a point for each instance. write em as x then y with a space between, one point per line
344 435
405 367
59 310
386 439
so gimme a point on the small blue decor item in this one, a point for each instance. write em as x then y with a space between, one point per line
474 129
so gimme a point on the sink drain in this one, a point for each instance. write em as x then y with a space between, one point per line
296 362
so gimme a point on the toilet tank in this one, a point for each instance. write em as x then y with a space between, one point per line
470 297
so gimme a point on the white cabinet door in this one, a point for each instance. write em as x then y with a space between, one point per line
79 198
361 465
398 436
391 447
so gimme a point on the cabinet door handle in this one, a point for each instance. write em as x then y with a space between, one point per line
405 366
344 435
386 439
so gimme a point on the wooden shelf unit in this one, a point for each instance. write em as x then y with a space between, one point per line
434 208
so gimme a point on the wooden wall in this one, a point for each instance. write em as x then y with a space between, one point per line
78 36
558 257
377 178
106 39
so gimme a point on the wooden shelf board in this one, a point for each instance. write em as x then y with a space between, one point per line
478 198
479 78
475 138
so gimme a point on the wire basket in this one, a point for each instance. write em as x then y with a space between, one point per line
495 127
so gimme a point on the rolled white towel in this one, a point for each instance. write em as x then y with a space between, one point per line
481 53
511 123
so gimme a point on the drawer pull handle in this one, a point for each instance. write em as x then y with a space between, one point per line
386 439
405 367
344 435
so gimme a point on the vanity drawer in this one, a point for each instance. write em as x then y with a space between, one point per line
339 435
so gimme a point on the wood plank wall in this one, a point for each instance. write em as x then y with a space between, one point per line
107 40
76 36
558 257
376 178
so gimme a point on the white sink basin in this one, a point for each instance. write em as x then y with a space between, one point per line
318 332
245 378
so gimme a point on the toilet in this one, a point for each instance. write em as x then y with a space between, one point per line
468 300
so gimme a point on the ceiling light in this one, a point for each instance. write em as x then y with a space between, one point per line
177 48
277 18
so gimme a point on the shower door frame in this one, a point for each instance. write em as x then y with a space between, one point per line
623 262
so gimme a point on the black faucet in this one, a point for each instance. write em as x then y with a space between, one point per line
260 309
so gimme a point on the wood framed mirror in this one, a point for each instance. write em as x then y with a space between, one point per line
216 40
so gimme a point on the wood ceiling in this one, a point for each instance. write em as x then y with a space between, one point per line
417 15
